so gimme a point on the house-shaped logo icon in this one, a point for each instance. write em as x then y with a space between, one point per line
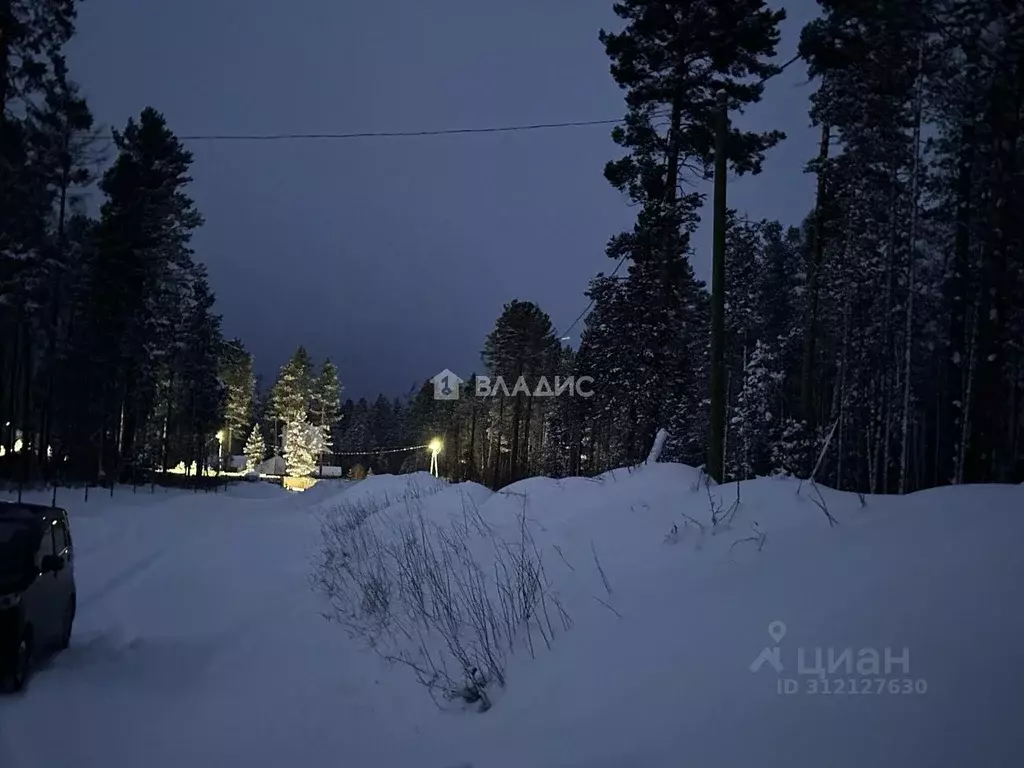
446 385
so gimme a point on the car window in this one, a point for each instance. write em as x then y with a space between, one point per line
46 545
12 531
17 545
60 537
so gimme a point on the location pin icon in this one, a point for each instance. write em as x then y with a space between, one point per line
776 631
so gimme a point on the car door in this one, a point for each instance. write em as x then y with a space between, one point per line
65 576
42 595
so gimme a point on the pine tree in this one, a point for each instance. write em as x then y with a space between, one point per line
382 423
856 246
255 449
109 344
781 289
356 435
141 282
342 424
292 392
560 431
239 379
671 59
303 442
204 394
41 161
31 43
521 346
637 391
918 254
400 415
790 449
325 402
65 139
752 426
976 98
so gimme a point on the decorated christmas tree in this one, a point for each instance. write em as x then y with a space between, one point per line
303 443
255 449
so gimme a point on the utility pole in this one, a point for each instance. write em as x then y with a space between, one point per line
716 455
716 448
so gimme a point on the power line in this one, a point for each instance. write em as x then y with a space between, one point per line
411 134
437 132
773 74
393 134
376 451
591 304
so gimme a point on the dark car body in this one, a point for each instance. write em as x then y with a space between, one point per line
37 586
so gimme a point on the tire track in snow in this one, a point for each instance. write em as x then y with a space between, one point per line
123 577
139 533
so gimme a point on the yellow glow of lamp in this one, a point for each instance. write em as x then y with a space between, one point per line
435 447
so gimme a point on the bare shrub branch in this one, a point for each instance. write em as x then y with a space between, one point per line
722 520
701 478
602 602
561 554
450 601
693 521
820 503
604 576
758 538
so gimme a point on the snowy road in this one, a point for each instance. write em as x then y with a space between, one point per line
198 642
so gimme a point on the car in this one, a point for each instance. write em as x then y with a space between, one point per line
37 587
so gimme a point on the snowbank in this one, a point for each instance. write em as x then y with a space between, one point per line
671 584
703 629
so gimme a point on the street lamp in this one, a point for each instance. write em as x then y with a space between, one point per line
435 447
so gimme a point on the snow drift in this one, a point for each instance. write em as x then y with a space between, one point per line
702 626
667 589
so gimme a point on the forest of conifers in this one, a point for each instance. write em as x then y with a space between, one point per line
881 341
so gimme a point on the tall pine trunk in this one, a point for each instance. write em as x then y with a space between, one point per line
807 409
911 285
957 299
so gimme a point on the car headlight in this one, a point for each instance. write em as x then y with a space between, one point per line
9 601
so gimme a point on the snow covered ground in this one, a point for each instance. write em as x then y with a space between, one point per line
200 641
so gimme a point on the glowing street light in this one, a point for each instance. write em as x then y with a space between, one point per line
435 447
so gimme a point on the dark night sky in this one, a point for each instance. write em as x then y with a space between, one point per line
394 256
